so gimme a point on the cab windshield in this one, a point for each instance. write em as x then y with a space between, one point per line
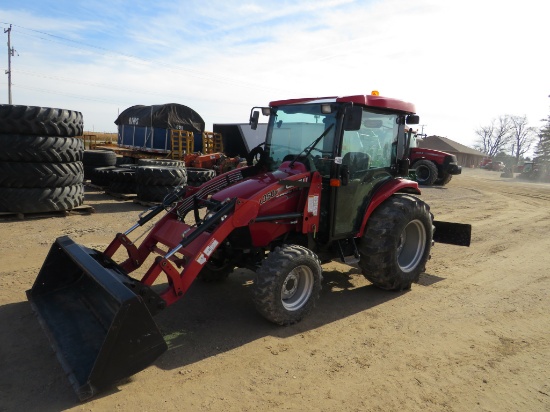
294 128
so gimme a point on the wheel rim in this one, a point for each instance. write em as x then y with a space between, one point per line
297 288
422 173
411 247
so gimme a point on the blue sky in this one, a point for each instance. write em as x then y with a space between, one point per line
463 63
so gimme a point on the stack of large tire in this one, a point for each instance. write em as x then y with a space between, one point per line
157 178
97 159
121 180
196 176
41 166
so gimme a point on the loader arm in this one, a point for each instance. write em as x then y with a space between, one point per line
196 248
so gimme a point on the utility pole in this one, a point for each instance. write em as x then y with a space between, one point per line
11 52
422 135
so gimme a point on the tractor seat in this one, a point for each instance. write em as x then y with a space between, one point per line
358 163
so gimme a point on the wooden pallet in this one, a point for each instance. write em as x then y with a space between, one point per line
93 186
79 210
121 196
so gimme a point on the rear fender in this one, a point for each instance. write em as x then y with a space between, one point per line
384 192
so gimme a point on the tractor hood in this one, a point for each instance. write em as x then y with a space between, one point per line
431 152
253 186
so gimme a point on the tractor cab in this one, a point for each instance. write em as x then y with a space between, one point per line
355 143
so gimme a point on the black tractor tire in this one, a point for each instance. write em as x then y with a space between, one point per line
122 181
125 160
44 121
160 162
287 284
47 149
122 175
121 187
88 171
196 176
99 158
396 243
37 200
442 181
161 175
153 193
18 174
426 172
101 176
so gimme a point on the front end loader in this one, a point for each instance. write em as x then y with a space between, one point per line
328 183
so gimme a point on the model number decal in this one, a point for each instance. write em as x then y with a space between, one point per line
281 191
268 196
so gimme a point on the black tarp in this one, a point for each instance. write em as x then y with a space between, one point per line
164 116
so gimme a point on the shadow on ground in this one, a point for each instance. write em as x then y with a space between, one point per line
210 319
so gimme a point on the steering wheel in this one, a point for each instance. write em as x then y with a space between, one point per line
254 154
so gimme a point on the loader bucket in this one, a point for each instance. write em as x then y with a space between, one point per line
101 329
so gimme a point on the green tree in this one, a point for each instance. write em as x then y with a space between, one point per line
542 150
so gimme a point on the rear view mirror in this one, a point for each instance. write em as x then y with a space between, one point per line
353 118
413 119
254 120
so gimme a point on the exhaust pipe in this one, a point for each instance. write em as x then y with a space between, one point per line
98 319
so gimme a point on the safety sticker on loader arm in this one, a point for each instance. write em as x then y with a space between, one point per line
313 204
208 250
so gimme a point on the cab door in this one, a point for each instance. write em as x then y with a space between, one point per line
366 157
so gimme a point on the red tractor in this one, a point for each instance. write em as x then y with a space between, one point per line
432 167
327 184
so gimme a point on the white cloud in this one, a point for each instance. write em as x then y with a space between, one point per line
462 63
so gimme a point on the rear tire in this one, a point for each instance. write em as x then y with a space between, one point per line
47 149
160 162
426 172
18 174
196 176
45 121
287 284
99 158
396 243
122 181
161 175
38 200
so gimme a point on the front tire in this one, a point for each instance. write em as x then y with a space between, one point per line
287 284
446 178
426 172
396 243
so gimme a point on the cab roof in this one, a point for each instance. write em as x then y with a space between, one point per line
370 100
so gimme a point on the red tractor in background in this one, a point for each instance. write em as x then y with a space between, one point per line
328 183
432 167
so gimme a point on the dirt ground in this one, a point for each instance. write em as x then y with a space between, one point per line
472 335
